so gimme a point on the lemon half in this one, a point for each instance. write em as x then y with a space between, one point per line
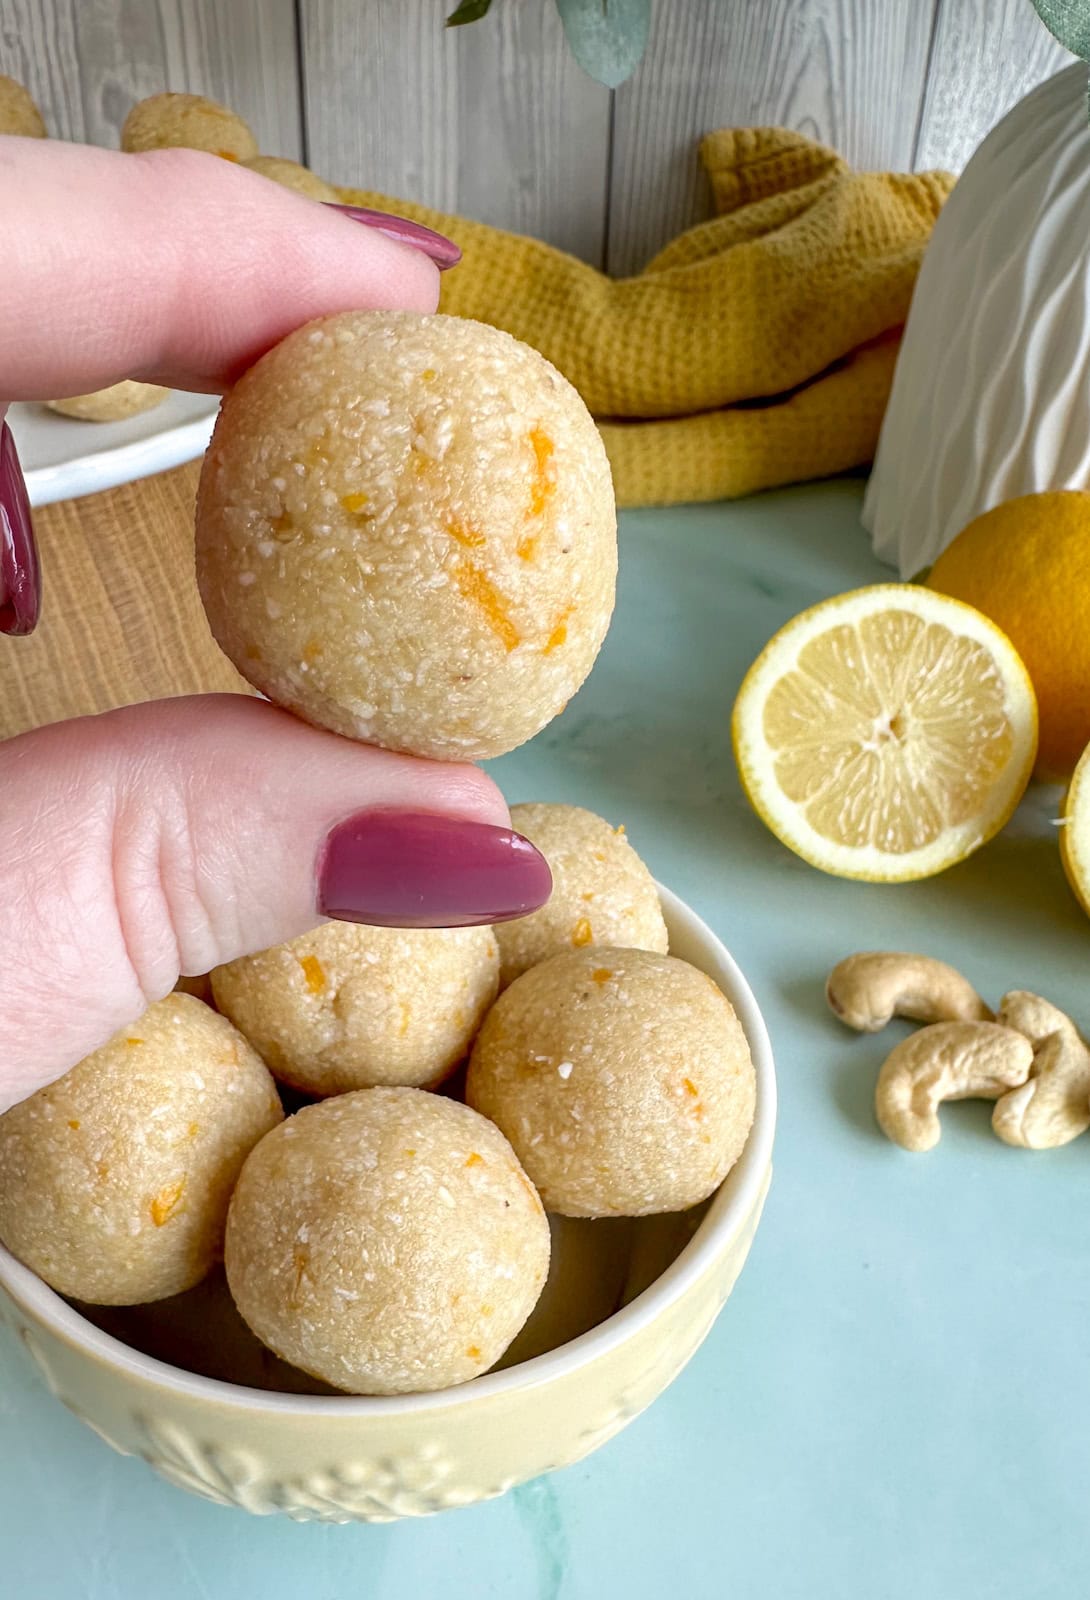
1075 832
887 733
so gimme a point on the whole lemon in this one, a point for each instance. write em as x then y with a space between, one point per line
1026 565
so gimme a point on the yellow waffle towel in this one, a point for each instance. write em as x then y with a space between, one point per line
756 349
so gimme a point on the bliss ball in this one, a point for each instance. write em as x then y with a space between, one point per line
18 112
622 1079
291 175
406 533
347 1007
114 1181
387 1241
166 121
602 892
125 399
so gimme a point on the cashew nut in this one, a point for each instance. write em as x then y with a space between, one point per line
947 1061
867 990
1053 1106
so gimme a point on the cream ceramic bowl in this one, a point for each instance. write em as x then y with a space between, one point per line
185 1386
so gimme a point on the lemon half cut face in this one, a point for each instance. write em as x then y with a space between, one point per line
887 733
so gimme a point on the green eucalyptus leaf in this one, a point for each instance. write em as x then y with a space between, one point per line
1069 22
468 11
607 37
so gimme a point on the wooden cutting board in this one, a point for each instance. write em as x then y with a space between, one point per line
121 617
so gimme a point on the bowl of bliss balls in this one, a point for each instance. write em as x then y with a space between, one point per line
383 1221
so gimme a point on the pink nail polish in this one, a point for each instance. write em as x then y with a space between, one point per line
411 869
443 251
20 576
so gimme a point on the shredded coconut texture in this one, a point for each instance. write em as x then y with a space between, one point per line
386 1241
115 1180
622 1078
349 1007
602 892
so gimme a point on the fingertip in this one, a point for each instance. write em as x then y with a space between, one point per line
175 266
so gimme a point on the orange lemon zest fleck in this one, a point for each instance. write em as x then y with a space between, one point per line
166 1202
428 374
133 1040
314 973
486 1311
474 1160
475 586
227 155
473 1353
619 829
543 486
559 634
194 1129
601 974
353 502
582 933
526 549
312 649
690 1087
73 1122
470 538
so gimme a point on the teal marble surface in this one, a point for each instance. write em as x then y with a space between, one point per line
896 1400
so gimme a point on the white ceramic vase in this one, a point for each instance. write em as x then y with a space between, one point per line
991 395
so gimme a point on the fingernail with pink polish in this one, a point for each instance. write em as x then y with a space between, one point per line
443 251
412 869
20 577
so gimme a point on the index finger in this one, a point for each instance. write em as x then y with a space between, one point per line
172 266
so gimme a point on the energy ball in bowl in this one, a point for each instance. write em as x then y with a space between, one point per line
115 1180
347 1007
387 1241
18 112
406 533
125 399
291 175
602 892
622 1079
188 121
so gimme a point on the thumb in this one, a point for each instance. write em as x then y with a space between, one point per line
168 838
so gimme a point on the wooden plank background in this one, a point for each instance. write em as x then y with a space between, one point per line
496 120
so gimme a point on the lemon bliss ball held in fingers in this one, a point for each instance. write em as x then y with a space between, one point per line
406 533
602 892
115 1180
622 1078
348 1006
386 1241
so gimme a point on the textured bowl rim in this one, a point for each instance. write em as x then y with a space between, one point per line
735 1202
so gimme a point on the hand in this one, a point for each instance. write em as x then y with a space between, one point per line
167 838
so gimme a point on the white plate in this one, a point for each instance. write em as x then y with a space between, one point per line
63 458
